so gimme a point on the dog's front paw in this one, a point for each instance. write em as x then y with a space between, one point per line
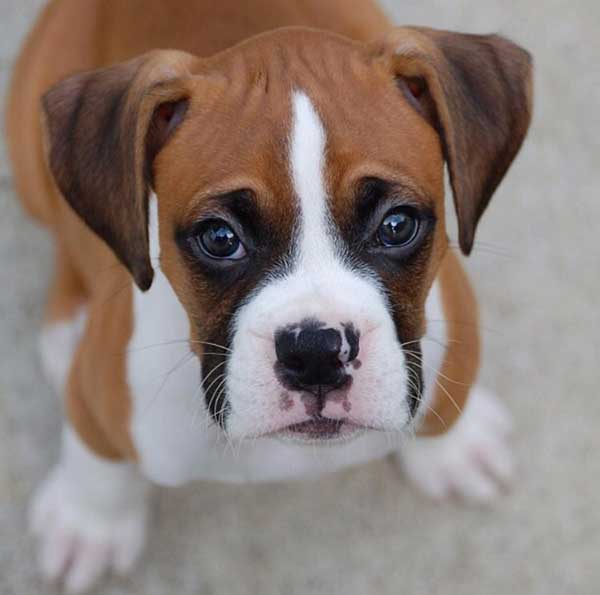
472 461
80 541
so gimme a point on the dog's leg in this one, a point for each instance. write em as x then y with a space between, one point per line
64 321
89 515
472 460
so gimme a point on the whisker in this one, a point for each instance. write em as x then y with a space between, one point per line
195 341
181 362
475 325
445 391
218 392
449 396
420 400
435 370
219 377
486 249
202 404
115 294
212 372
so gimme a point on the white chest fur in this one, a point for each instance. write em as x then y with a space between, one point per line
174 436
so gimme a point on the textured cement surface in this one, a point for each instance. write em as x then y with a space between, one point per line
365 531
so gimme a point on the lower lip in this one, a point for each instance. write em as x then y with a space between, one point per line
320 431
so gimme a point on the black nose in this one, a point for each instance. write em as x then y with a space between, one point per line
309 358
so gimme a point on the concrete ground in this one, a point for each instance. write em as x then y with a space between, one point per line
364 531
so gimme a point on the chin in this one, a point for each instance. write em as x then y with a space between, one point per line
322 431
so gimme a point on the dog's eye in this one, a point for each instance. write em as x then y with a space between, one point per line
217 240
399 228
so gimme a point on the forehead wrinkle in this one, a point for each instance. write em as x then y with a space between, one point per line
209 198
228 143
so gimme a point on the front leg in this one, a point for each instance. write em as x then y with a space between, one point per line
463 447
89 515
472 460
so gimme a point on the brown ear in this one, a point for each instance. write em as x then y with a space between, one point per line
476 90
104 129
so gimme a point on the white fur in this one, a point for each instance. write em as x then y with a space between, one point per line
307 166
433 348
164 378
472 460
89 516
58 342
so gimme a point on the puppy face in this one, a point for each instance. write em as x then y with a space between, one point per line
305 249
299 179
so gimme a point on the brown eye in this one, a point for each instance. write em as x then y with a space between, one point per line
218 240
399 228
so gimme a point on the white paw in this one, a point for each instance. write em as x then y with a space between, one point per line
472 461
79 543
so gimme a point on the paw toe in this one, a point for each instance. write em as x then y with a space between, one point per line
90 562
56 550
495 457
473 485
128 552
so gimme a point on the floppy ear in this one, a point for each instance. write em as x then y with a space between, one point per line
103 129
476 91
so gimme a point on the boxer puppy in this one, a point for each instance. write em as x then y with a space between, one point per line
253 279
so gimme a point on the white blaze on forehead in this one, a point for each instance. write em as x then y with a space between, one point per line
307 165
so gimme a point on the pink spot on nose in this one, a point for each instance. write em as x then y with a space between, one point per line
285 402
339 397
311 404
356 364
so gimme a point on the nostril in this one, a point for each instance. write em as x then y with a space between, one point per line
335 361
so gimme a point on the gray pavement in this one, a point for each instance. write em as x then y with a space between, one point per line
536 268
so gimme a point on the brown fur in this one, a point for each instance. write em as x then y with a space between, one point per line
235 120
461 364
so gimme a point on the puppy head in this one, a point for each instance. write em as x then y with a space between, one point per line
299 181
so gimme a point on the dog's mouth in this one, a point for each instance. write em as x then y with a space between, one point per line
320 429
